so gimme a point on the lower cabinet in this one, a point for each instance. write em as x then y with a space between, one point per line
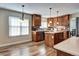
37 36
58 37
66 34
49 39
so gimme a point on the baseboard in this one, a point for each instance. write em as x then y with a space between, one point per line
13 43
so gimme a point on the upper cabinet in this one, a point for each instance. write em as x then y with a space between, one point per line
36 20
61 21
66 20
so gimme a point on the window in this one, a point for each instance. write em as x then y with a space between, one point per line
18 27
43 23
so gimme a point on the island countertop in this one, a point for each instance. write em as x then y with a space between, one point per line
70 46
56 31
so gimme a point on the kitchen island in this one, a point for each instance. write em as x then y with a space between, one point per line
54 37
68 47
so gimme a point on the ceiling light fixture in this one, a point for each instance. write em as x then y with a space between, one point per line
57 17
22 12
50 15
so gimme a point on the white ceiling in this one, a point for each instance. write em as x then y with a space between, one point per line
43 8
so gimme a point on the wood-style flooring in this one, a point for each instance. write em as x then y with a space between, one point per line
28 49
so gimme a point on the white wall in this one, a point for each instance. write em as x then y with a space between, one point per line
4 28
73 21
72 24
75 15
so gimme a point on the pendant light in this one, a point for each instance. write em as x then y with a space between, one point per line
57 18
50 18
23 12
50 15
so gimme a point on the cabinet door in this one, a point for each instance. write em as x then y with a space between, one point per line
36 20
66 20
55 21
33 36
51 40
58 37
37 36
47 39
66 34
60 21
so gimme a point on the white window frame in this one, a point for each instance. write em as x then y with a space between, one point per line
19 27
44 23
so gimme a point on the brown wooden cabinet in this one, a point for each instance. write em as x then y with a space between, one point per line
66 34
37 36
55 21
66 20
58 37
36 20
49 39
62 20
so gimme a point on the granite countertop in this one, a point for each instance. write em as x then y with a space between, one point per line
70 46
55 31
41 30
50 31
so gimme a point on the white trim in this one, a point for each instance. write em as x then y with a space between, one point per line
13 43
